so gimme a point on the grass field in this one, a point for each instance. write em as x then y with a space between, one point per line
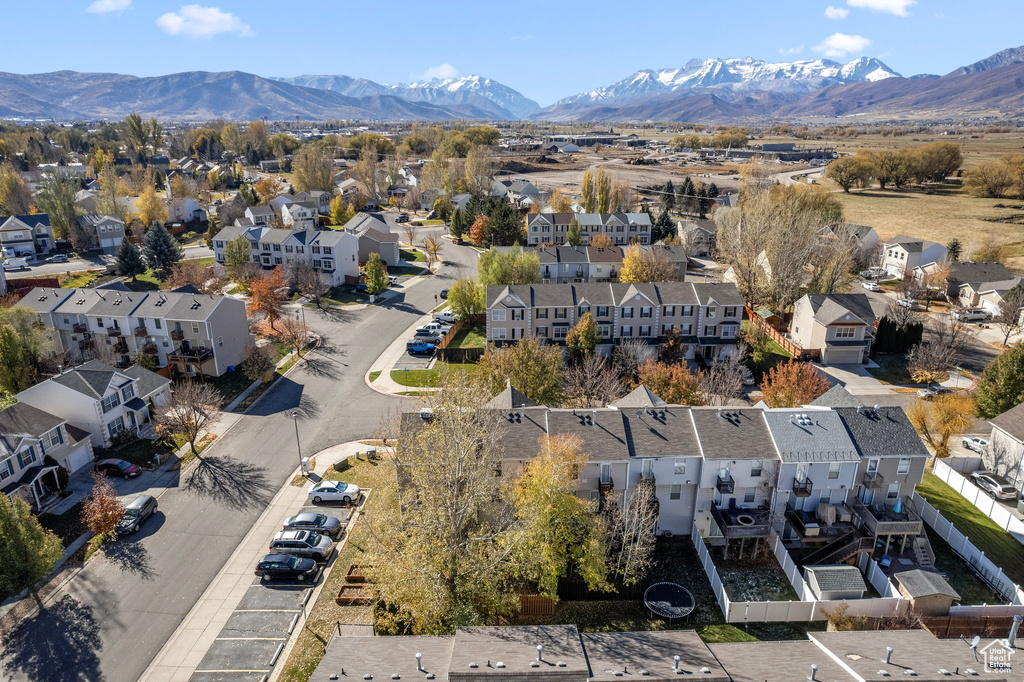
470 337
999 545
413 256
420 378
79 280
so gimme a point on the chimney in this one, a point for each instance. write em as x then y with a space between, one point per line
419 661
814 672
1012 637
888 654
675 662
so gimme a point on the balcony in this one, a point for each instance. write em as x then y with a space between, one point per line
79 328
605 487
177 335
114 332
85 344
121 346
726 485
192 355
150 349
139 331
884 520
735 522
802 488
873 480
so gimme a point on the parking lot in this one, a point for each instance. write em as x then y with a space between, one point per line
251 641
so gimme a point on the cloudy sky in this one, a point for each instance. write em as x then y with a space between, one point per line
546 50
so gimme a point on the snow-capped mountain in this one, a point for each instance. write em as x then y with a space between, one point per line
456 90
740 75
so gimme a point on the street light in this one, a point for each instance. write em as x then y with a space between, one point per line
298 446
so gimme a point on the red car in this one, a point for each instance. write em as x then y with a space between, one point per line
117 467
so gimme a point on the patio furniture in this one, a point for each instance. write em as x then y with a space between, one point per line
886 561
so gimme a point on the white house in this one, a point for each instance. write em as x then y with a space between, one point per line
183 210
335 253
26 236
299 216
840 327
902 254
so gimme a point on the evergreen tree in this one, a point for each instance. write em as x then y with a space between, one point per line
128 260
703 202
29 552
955 248
663 227
668 197
506 224
458 225
712 190
1001 385
574 234
160 249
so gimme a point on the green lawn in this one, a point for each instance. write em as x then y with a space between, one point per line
892 369
373 376
419 378
470 337
413 256
399 270
999 545
427 223
959 575
79 280
230 385
142 450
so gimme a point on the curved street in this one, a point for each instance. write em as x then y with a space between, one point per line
112 619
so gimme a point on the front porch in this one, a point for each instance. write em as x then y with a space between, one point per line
37 486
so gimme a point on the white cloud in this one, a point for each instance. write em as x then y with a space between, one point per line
196 21
841 44
104 6
836 12
439 71
897 7
791 50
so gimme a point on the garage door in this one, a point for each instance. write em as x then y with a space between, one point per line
676 516
843 357
80 456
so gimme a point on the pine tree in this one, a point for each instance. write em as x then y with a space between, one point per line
687 194
574 234
128 260
663 227
712 190
458 225
668 196
955 248
160 249
703 202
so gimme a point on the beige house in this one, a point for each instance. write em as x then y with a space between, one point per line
621 228
1005 453
839 326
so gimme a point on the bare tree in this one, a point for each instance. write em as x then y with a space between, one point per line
630 532
722 381
740 242
1009 316
591 382
193 408
901 315
833 260
432 245
628 356
409 230
312 284
257 363
367 172
930 360
293 332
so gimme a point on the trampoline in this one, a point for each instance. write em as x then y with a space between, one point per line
669 600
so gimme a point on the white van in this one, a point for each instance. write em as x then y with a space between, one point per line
15 264
972 314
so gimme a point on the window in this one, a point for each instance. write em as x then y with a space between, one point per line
845 332
687 311
626 330
648 468
316 249
52 438
646 311
26 457
675 492
498 315
542 313
115 427
327 250
317 263
277 247
627 312
6 469
300 249
687 329
266 247
517 314
606 330
561 313
602 311
833 471
542 332
680 466
195 327
670 310
66 320
128 392
110 402
99 322
156 322
873 466
289 249
220 342
277 260
712 310
893 492
499 333
755 470
583 309
560 332
645 330
904 466
730 312
748 494
710 330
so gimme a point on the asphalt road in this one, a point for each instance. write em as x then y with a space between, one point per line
92 263
114 617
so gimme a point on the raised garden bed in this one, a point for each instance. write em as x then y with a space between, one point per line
354 595
356 573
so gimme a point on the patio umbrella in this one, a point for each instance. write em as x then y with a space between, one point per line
899 505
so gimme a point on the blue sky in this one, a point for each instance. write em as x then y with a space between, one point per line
546 50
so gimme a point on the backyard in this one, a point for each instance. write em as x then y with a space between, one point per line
419 378
892 370
757 578
474 336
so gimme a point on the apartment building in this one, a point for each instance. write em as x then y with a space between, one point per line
573 264
101 400
192 333
334 253
707 315
621 228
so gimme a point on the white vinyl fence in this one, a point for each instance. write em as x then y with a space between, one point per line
962 545
806 609
980 499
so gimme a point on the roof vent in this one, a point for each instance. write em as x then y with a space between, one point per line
430 676
473 665
706 670
943 671
561 664
367 676
883 673
910 672
534 664
396 676
499 664
644 672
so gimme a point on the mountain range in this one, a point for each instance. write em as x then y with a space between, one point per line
703 90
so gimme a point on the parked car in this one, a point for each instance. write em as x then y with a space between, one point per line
285 566
402 218
333 491
428 333
871 286
117 467
931 391
432 327
444 293
445 316
995 485
59 258
140 509
972 314
15 264
906 302
419 347
302 543
975 443
392 280
319 523
457 241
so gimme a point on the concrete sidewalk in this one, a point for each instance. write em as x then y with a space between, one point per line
192 640
390 357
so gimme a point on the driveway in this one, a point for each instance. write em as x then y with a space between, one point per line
114 617
854 378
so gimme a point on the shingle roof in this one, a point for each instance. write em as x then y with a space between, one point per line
21 420
919 583
815 436
978 273
841 578
731 433
382 657
172 305
147 382
91 379
776 662
1011 421
611 653
509 399
102 302
837 396
614 293
650 432
517 647
379 235
30 220
881 432
44 299
602 431
829 308
363 221
641 396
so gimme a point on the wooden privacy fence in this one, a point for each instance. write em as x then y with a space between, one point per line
980 499
535 605
446 354
790 347
952 627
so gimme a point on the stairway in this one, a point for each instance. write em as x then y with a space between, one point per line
839 550
923 554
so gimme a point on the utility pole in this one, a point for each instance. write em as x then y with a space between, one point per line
298 445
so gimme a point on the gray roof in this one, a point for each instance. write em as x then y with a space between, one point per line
382 657
920 583
602 431
261 210
777 662
516 647
561 254
721 293
91 379
732 433
651 433
509 399
837 396
617 294
882 432
641 396
676 253
910 244
611 653
810 436
360 222
838 578
829 308
705 225
147 382
21 420
44 299
102 302
1011 421
171 305
978 274
378 236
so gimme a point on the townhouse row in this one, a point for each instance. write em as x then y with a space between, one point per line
620 228
736 473
707 315
190 332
